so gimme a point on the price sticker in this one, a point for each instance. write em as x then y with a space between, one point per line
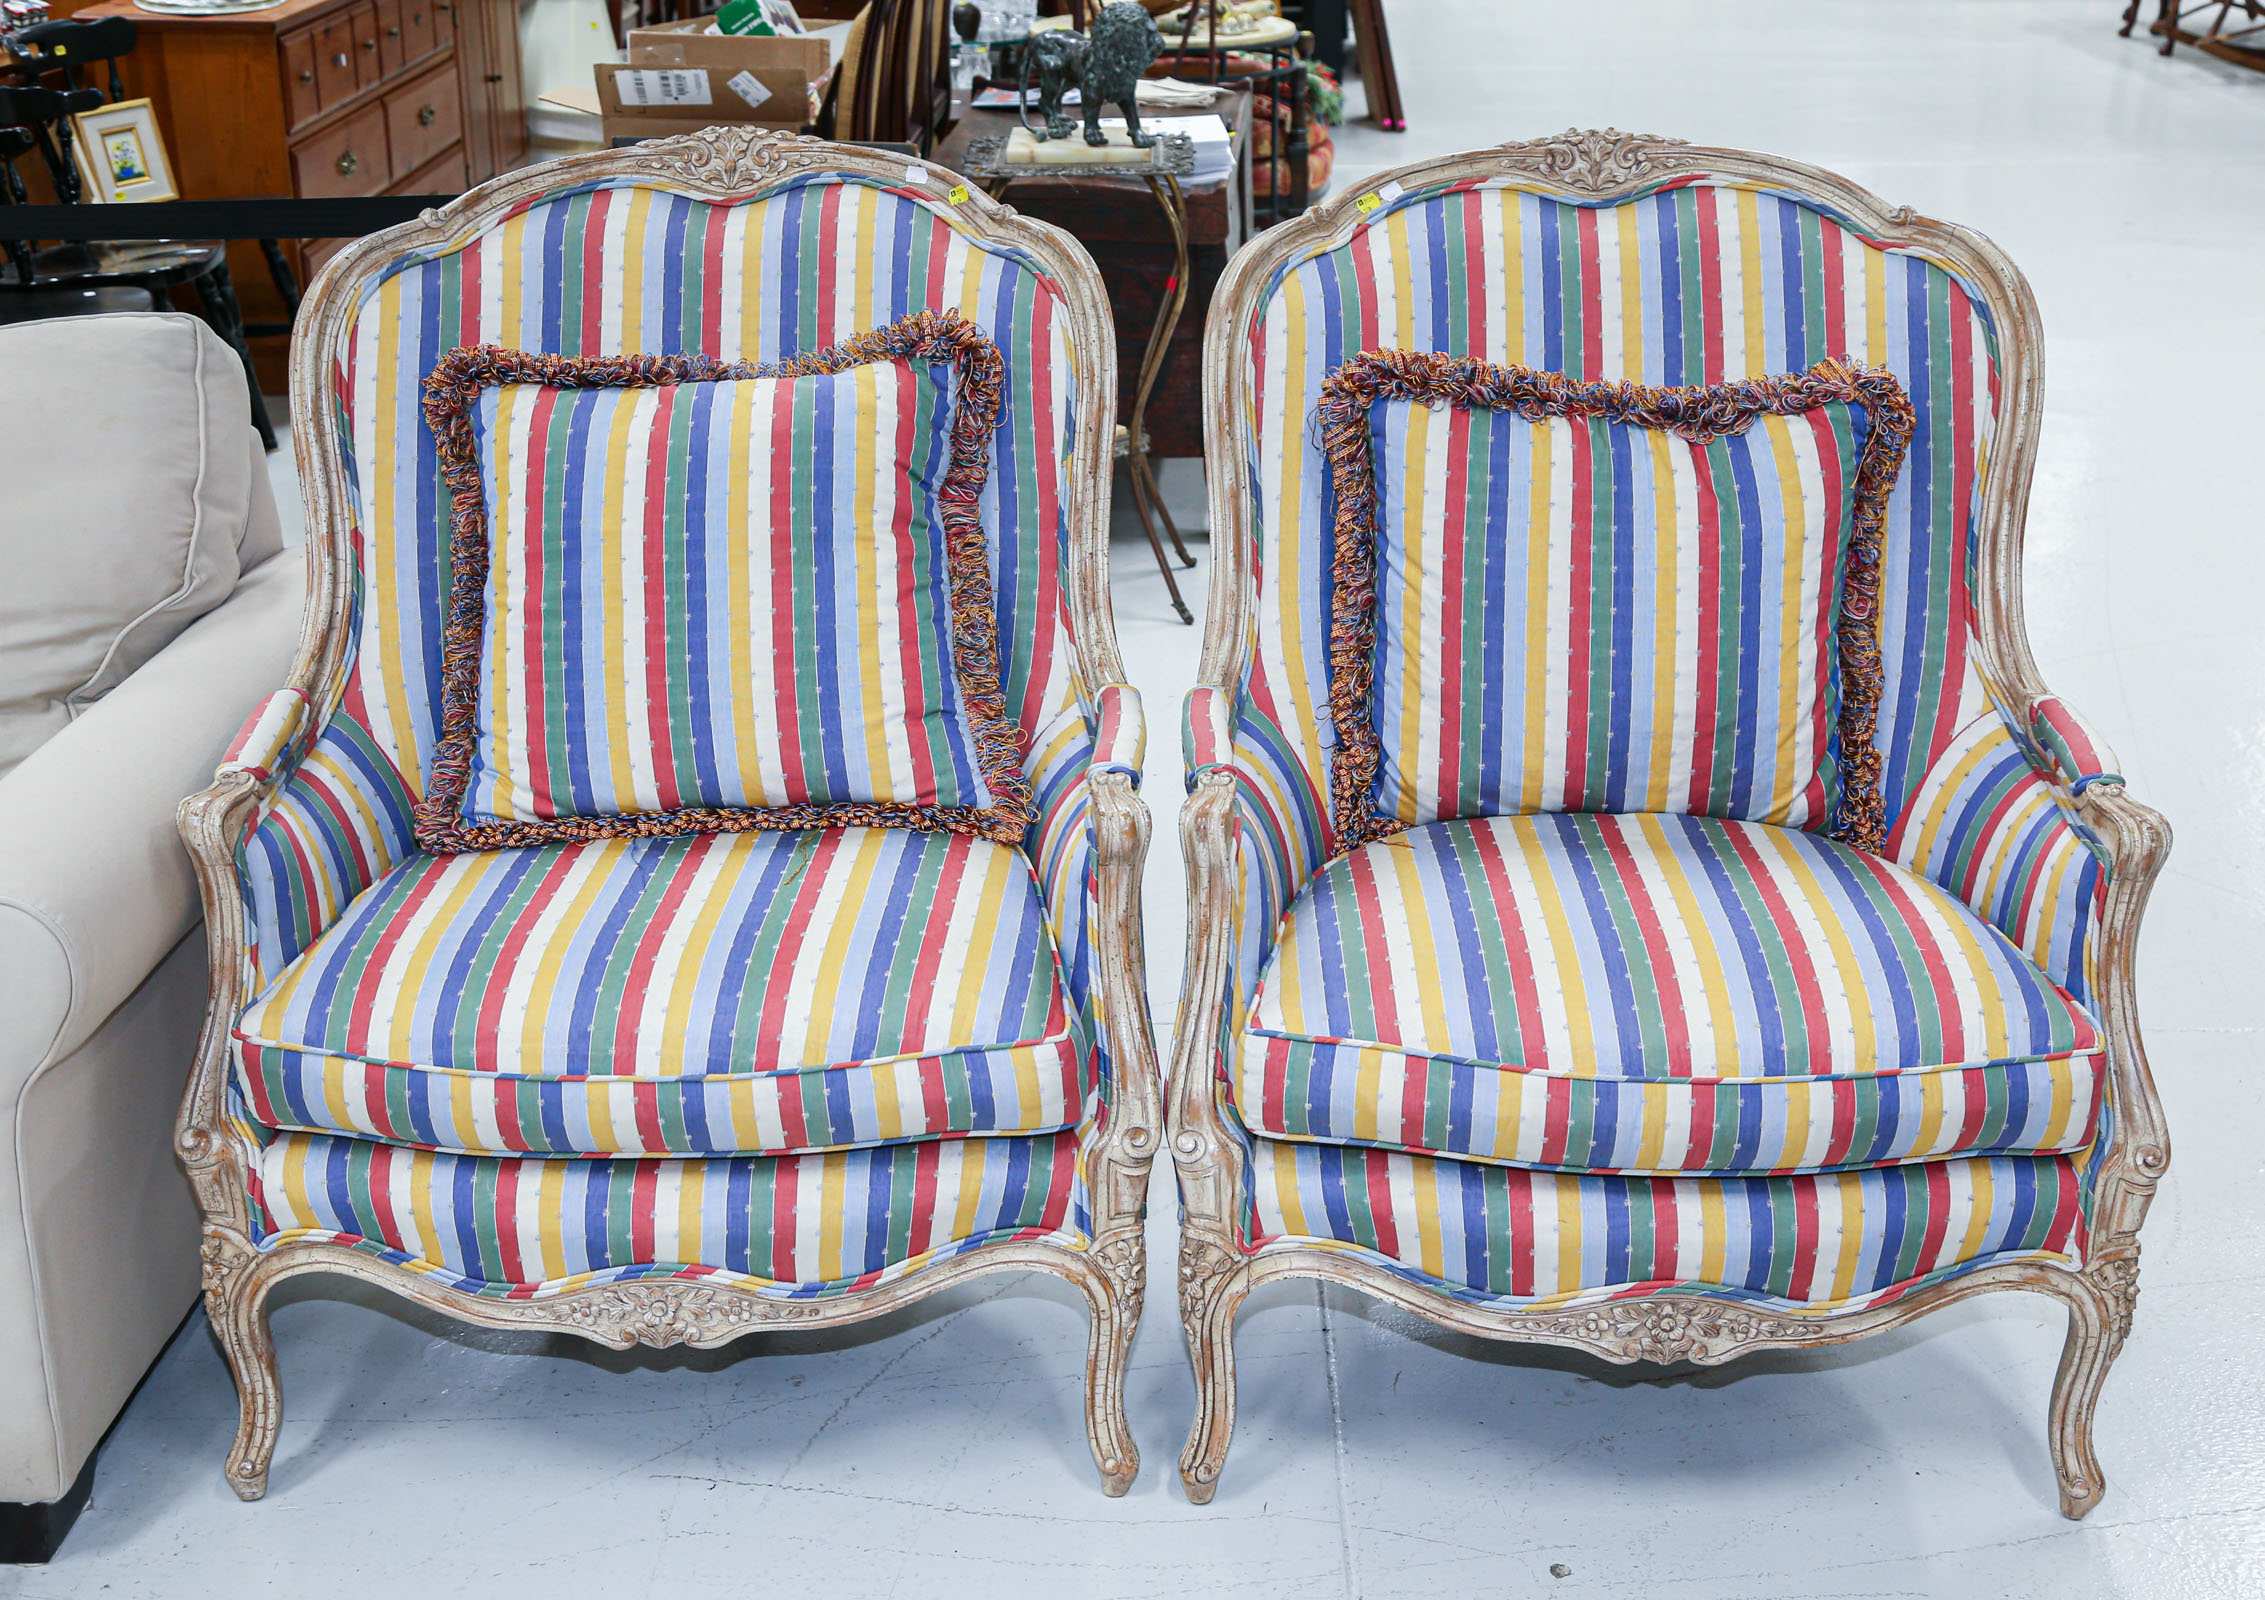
1367 203
958 196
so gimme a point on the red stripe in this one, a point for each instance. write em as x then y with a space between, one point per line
644 1189
784 1203
1520 1194
712 281
1369 923
1937 1175
508 1265
829 267
365 1015
1592 301
926 1157
916 707
1042 443
597 284
1376 1173
1829 242
1802 1280
1475 305
1667 1231
1710 279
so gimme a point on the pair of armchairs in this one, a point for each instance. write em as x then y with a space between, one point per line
1510 998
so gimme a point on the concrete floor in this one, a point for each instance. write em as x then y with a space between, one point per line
940 1451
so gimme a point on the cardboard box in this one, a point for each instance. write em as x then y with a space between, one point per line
788 67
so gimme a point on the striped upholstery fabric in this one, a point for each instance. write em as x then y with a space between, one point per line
1693 283
713 994
1588 615
717 594
1656 994
811 1224
1828 1241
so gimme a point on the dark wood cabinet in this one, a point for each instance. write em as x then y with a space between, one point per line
328 97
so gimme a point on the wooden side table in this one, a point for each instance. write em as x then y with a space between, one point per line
1170 160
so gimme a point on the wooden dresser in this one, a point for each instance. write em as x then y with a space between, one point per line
328 97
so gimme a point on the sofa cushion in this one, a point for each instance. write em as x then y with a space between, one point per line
712 994
519 1225
694 596
137 493
1656 994
1556 596
1813 1240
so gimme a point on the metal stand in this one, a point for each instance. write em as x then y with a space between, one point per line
1171 158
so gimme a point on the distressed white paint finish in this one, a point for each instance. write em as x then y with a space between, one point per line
941 1451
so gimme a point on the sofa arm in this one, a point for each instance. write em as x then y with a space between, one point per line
2079 757
95 888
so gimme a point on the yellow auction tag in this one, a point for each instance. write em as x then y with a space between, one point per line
1368 202
958 196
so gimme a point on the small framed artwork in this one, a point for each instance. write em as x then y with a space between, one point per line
120 154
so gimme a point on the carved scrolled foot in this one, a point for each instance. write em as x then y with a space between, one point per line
2099 1319
1211 1288
1115 1294
236 1303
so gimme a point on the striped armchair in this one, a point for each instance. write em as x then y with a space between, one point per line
677 1088
1643 898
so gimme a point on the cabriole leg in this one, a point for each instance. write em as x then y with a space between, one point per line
1212 1286
236 1302
1114 1294
2099 1318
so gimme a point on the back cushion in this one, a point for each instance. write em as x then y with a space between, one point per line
697 596
1604 597
137 493
630 268
1691 283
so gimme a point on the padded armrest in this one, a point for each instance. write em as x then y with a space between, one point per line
95 887
1207 731
2079 756
1121 744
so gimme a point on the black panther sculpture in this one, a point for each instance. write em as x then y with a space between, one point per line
1104 67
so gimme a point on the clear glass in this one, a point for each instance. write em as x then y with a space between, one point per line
1006 21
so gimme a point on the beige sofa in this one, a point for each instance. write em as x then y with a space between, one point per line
145 608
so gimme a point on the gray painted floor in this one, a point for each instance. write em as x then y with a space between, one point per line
940 1451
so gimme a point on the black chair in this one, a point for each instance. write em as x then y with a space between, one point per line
71 47
31 304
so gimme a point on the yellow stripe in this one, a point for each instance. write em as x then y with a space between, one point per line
506 601
871 454
1510 303
1750 245
1541 442
630 284
1418 557
738 514
1797 625
612 596
1632 281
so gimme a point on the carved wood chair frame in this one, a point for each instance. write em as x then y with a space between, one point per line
1214 1272
719 164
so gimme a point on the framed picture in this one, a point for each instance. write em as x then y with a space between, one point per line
120 154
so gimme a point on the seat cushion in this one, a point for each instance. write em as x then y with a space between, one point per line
714 994
1811 1240
519 1225
1656 994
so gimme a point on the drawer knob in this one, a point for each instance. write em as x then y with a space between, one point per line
369 44
425 116
493 77
307 76
338 60
347 163
393 32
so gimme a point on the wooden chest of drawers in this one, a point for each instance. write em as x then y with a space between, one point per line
329 97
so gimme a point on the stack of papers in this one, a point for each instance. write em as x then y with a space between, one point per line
1214 150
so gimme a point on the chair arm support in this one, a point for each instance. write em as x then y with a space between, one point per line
2078 757
95 889
1206 1151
